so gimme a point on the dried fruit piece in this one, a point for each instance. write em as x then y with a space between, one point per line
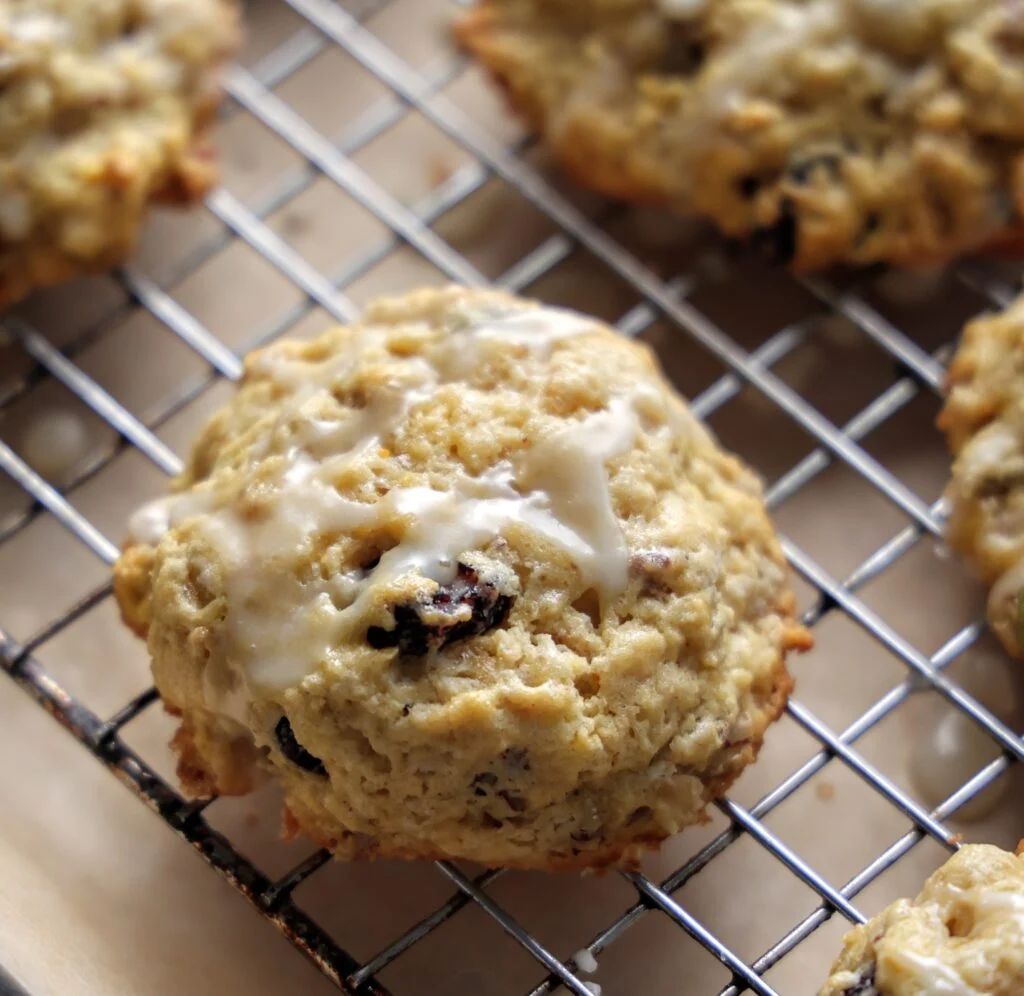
467 607
294 751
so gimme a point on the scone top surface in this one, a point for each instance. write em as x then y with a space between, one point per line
984 421
103 105
828 131
511 599
962 936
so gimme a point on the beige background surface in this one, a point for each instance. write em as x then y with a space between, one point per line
97 897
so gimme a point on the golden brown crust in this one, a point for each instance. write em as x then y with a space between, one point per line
198 780
209 764
625 856
132 589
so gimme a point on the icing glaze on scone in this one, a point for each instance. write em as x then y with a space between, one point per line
558 490
470 580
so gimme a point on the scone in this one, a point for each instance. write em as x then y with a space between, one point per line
825 131
984 422
962 936
104 107
469 579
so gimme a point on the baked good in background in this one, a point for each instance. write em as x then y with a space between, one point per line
964 934
470 581
104 108
823 131
983 419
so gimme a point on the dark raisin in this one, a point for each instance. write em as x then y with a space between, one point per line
490 822
778 242
748 187
407 708
412 635
640 815
864 986
683 56
872 222
999 484
581 836
483 782
294 751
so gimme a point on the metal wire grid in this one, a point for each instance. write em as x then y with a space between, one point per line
251 90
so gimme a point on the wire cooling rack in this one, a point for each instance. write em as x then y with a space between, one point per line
680 292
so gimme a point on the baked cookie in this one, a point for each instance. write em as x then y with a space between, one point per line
472 582
104 107
962 936
984 422
824 131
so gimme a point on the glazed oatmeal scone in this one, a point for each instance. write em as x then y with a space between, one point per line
471 582
984 422
824 131
962 936
104 108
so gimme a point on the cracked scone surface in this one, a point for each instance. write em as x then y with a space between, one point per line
103 108
984 422
826 131
963 935
470 580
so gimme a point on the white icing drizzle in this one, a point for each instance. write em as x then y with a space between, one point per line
564 498
282 628
475 330
37 27
935 977
568 467
444 524
1008 907
150 522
